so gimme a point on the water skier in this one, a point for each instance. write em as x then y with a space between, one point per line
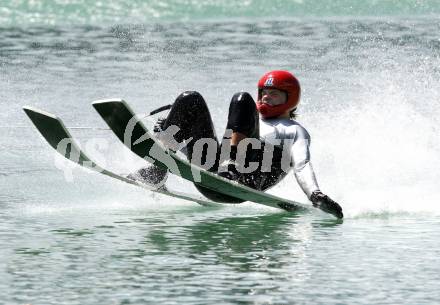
262 143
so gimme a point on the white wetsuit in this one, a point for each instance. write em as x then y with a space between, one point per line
294 141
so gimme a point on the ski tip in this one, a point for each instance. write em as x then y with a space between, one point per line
109 100
32 112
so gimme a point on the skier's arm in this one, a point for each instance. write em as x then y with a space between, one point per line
301 163
306 176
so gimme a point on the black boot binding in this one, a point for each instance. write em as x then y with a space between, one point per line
151 174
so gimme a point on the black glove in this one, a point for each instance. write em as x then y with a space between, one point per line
158 127
229 170
326 204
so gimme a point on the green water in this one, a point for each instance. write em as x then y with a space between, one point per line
19 12
194 255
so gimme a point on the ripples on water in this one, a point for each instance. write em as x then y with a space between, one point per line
96 241
231 255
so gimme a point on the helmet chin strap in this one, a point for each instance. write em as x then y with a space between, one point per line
292 113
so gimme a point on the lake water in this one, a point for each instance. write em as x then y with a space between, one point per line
370 101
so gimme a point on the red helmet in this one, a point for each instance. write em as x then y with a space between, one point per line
281 80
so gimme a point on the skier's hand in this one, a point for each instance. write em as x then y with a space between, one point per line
228 170
326 204
158 127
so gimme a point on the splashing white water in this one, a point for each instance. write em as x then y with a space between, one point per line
379 155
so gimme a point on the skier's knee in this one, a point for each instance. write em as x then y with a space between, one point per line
189 98
242 99
243 115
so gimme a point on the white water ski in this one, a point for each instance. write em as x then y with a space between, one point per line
54 131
